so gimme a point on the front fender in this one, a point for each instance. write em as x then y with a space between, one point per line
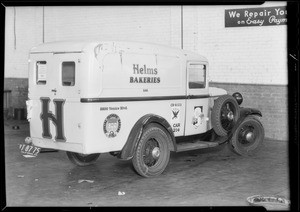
137 130
249 111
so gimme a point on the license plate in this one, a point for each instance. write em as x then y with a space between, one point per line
28 150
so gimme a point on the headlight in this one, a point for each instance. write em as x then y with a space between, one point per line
238 97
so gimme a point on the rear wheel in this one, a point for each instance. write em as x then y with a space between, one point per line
248 137
82 159
152 154
225 114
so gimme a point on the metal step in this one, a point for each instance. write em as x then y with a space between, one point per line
186 146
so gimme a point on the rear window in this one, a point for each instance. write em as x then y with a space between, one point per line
41 72
68 73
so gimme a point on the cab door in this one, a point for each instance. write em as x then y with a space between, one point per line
197 107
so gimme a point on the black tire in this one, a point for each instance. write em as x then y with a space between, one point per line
248 137
225 114
81 159
152 153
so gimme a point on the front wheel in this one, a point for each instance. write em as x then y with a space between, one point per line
82 159
248 137
152 154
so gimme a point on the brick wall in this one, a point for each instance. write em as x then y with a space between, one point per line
271 100
18 95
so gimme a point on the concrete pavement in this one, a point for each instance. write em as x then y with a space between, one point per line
210 177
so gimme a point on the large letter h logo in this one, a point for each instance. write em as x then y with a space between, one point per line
57 119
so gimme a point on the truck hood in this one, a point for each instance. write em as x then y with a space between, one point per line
213 91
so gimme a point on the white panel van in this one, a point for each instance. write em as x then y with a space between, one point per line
136 101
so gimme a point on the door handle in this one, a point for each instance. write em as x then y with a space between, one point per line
54 90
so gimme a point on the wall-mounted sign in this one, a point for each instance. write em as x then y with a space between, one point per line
261 16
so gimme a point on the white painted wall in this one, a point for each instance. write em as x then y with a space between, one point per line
255 55
28 31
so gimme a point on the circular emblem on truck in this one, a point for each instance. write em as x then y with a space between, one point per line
112 125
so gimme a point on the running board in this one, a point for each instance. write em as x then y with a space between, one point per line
186 146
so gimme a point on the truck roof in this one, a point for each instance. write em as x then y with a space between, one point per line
126 46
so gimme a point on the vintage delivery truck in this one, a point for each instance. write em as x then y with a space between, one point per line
136 101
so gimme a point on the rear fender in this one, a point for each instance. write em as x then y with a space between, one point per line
136 133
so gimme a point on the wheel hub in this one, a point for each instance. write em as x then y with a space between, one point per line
230 115
155 152
249 136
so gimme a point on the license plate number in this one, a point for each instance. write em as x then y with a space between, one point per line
29 150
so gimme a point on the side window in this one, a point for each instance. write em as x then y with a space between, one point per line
41 72
68 73
197 75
